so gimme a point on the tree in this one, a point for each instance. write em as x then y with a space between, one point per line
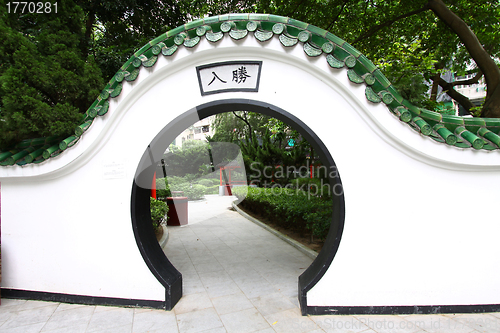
46 82
455 35
237 125
188 160
114 30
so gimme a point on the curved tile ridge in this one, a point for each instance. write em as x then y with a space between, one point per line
475 133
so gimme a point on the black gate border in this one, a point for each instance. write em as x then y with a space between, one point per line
150 250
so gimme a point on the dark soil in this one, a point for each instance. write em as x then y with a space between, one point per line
303 239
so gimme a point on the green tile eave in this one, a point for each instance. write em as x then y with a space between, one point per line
211 20
278 19
241 16
299 24
316 30
30 151
194 24
142 50
224 17
175 31
258 17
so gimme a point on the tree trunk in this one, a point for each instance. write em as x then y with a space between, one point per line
461 99
491 107
247 122
482 58
435 82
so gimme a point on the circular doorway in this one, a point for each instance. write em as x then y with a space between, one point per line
149 248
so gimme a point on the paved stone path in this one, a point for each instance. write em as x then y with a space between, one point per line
237 278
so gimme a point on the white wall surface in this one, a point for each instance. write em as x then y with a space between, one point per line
420 225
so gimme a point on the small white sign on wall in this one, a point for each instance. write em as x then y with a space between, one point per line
114 170
229 76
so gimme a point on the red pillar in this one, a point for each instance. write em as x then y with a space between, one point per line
153 187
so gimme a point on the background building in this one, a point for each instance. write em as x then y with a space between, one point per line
198 131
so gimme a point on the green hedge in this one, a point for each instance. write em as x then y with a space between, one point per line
290 208
208 182
159 210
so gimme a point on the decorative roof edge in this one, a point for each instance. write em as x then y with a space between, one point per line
476 133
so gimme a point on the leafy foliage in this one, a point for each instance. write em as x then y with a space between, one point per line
295 209
159 210
46 82
188 160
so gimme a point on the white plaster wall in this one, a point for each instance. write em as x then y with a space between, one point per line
420 224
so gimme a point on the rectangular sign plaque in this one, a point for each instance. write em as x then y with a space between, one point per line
229 76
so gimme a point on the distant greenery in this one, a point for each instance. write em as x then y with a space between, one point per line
193 188
53 66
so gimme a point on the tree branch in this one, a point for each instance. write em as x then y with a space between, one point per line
297 7
473 80
482 58
338 15
246 122
461 99
377 28
435 81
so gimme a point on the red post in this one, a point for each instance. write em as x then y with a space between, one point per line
153 187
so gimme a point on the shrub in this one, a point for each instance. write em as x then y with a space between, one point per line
205 182
162 189
317 187
212 190
193 192
291 208
159 210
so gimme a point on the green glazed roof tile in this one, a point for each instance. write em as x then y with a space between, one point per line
241 16
367 63
263 36
142 50
211 20
267 25
214 36
395 93
238 34
241 25
474 122
318 40
492 122
335 39
349 48
259 17
340 53
381 78
311 50
454 120
175 31
293 31
435 116
278 19
159 39
360 69
489 135
192 33
288 41
478 133
194 24
297 23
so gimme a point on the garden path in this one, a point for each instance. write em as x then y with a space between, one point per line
237 277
